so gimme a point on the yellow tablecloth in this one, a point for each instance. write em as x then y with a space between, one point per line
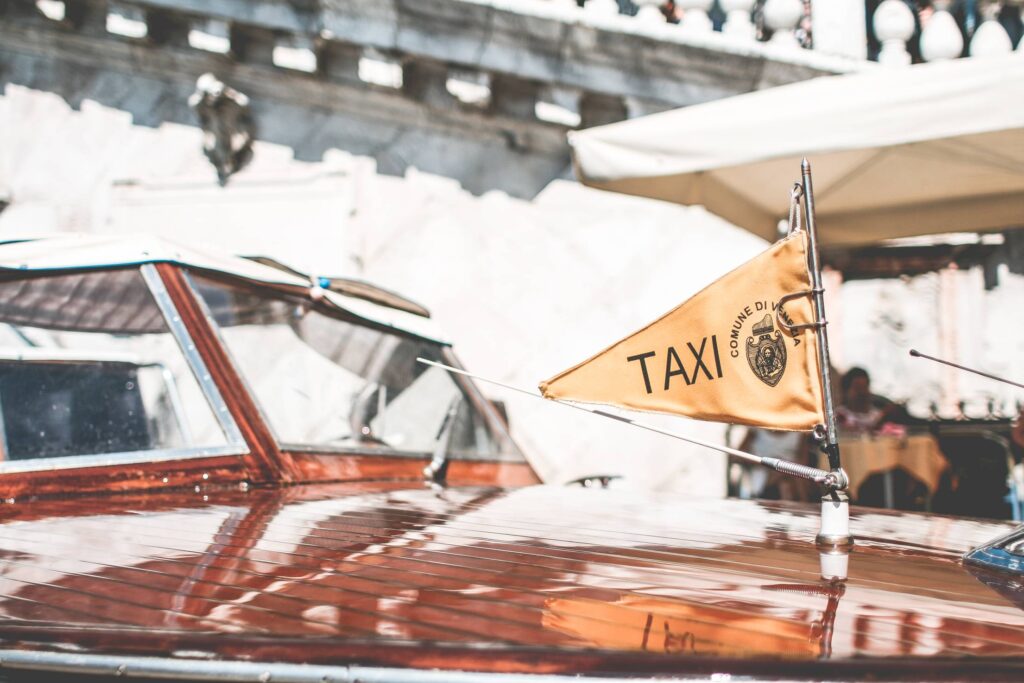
864 455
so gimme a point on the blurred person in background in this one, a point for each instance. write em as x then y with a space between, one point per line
859 409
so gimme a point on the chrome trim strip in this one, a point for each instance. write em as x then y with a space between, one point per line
69 462
454 456
372 450
256 672
188 347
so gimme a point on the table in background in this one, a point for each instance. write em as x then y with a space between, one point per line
863 455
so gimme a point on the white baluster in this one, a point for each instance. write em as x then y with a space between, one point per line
940 36
840 27
650 11
695 15
990 38
894 26
602 7
782 17
737 18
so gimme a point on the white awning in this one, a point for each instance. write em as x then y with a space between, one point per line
926 149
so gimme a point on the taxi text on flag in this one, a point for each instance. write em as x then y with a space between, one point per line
722 355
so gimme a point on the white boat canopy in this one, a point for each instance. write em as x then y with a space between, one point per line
79 252
927 149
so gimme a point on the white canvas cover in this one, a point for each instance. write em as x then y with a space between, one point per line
933 148
91 252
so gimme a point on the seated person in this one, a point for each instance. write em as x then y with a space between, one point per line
859 409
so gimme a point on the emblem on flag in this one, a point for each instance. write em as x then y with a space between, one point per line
767 355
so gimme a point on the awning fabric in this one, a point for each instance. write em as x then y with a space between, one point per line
76 252
933 148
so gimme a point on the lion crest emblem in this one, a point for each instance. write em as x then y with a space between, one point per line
767 355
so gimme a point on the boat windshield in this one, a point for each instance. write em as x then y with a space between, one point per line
91 373
330 384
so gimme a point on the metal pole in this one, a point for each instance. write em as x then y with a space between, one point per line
831 437
918 354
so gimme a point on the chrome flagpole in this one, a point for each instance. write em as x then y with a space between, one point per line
835 506
818 292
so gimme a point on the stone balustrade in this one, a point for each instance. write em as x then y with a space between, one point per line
495 83
901 31
589 48
782 23
611 48
908 31
570 62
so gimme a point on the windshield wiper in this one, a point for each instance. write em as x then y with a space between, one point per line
436 470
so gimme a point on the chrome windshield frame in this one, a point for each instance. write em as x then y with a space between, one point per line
71 462
195 361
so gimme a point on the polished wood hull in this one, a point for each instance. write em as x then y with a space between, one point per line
538 579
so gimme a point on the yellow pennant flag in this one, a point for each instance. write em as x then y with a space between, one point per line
721 355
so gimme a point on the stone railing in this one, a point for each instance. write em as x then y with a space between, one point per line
943 29
899 31
494 83
785 24
582 64
569 62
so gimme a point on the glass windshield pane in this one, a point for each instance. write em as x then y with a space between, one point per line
329 383
88 366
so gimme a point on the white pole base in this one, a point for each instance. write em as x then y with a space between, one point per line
835 564
835 522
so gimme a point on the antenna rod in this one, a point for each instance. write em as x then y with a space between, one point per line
917 354
831 436
833 481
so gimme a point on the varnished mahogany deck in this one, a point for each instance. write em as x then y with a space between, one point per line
533 579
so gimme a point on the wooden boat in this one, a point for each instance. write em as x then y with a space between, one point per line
214 470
